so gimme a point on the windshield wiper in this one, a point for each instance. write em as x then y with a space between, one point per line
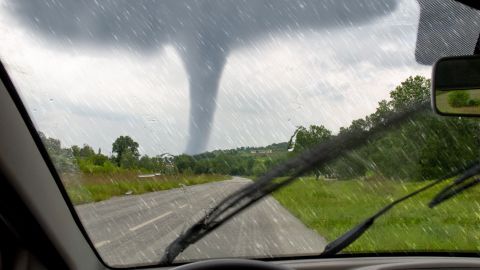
353 234
458 186
268 183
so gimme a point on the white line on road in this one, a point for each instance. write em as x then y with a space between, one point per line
150 221
182 206
101 243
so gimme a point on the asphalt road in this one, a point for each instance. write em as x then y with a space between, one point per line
136 229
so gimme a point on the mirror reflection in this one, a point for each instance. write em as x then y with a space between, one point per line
456 85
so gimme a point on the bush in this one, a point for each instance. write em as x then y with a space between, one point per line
458 98
474 102
88 166
259 168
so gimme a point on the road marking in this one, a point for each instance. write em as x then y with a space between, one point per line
182 206
150 221
101 243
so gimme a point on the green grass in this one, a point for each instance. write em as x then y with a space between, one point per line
332 207
85 188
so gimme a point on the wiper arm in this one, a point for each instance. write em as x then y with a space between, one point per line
295 167
458 186
353 234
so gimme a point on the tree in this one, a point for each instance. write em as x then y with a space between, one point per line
202 166
184 163
52 145
146 163
307 138
75 151
122 145
128 160
151 164
411 91
62 158
86 151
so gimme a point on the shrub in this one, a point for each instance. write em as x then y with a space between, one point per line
474 102
458 99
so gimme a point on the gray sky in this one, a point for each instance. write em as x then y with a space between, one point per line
93 94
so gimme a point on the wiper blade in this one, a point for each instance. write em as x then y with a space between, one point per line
353 234
458 186
295 167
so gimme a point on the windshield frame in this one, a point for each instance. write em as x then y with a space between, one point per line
5 78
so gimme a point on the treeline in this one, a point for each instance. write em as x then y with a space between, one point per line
249 161
125 157
426 147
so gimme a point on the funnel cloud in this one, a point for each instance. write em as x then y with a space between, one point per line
203 32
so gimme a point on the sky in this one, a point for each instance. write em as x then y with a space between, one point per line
89 93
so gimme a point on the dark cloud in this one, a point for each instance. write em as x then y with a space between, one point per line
204 32
385 46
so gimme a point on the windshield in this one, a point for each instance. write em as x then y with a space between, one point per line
154 111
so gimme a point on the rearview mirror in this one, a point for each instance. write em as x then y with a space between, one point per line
456 86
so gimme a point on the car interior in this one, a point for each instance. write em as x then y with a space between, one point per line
40 227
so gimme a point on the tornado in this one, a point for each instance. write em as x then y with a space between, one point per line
204 62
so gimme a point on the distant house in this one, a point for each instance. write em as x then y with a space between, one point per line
261 152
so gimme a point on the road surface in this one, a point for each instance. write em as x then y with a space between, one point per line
136 229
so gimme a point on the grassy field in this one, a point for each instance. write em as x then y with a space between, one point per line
444 106
332 207
85 188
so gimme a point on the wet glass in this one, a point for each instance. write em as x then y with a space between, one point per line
154 111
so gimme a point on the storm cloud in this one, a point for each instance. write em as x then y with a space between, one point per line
203 32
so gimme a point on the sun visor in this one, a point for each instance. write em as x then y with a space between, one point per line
446 28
